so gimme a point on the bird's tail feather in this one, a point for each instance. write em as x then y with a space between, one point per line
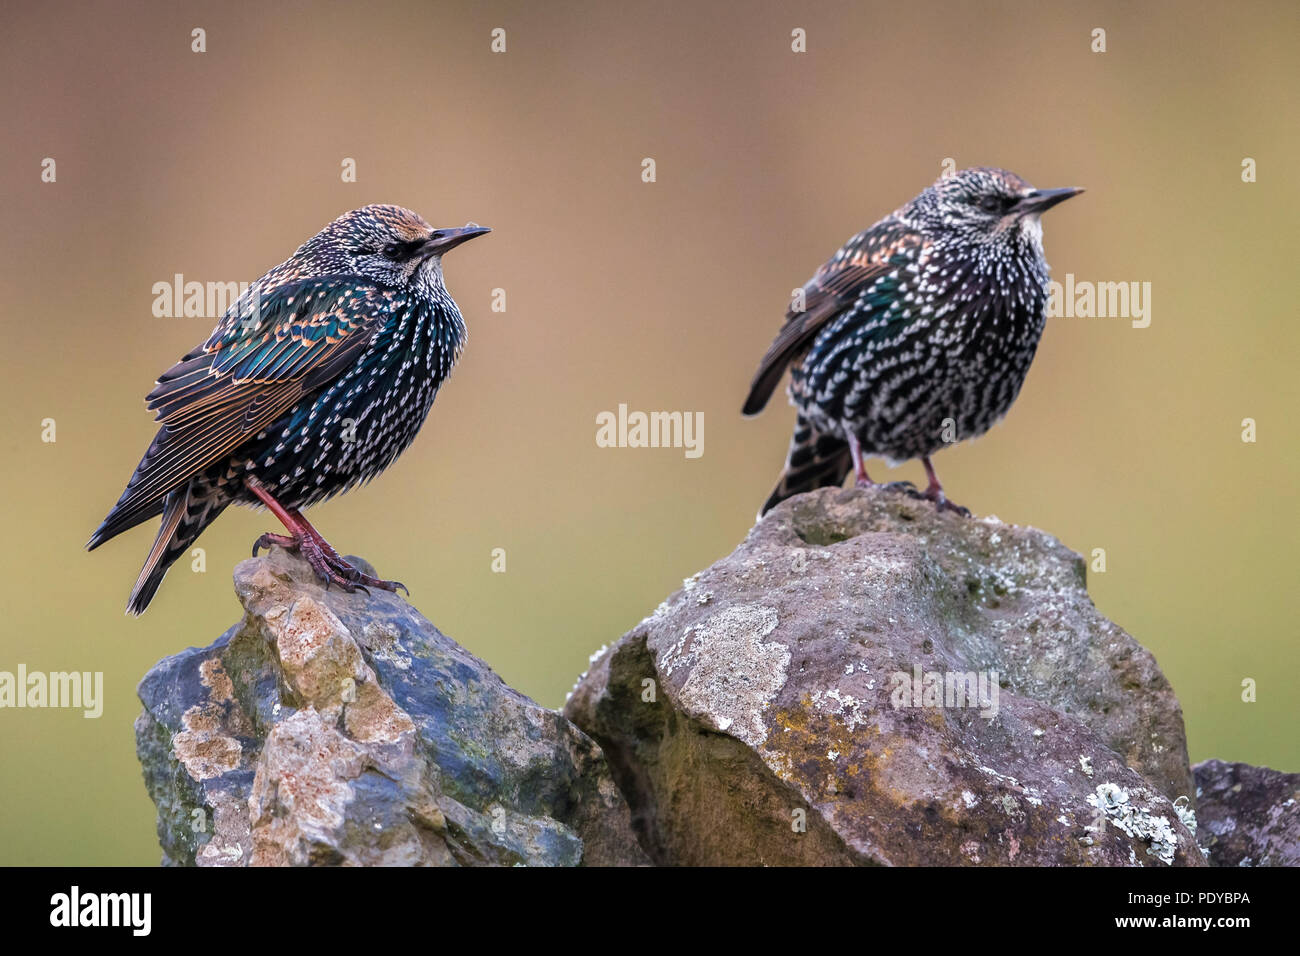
133 507
185 515
816 460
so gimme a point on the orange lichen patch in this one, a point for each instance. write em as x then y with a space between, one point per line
202 747
821 746
202 719
214 677
207 744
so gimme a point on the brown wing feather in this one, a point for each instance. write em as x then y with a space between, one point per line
836 284
211 417
240 382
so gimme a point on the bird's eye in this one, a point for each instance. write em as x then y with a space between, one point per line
997 204
393 251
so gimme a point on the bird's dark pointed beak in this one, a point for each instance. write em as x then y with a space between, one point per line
1041 200
444 239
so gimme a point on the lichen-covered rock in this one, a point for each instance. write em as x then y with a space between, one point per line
1249 816
866 680
328 728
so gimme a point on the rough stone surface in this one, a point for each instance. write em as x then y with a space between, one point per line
1249 816
751 719
335 729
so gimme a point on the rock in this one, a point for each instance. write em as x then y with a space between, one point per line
328 729
1249 816
761 716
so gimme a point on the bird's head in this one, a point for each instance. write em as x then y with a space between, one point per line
388 245
985 204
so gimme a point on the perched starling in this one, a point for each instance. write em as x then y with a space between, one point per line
314 381
916 334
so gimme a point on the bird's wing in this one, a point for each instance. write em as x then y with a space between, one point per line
864 259
265 355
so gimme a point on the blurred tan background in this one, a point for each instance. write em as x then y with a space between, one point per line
664 295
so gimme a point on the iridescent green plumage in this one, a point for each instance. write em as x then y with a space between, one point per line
917 333
314 381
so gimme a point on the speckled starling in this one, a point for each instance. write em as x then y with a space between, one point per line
314 381
917 333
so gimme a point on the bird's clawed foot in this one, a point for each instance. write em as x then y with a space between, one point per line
935 492
281 540
329 565
942 503
931 494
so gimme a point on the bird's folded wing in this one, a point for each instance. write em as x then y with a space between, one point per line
263 357
867 257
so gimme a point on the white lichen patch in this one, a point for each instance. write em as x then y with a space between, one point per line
1137 822
591 659
215 853
989 771
734 671
848 708
1186 815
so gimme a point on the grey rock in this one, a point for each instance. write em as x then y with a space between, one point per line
335 729
1249 816
758 716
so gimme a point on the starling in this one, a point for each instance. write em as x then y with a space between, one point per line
916 334
314 381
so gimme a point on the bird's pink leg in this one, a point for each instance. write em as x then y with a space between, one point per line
328 564
935 491
859 469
